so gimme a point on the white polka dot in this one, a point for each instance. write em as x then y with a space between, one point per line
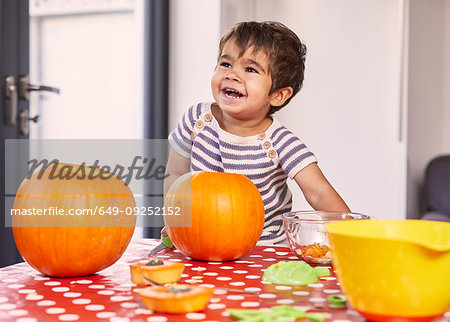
55 310
210 274
129 305
328 278
81 301
252 277
285 301
127 285
207 285
282 253
60 289
283 287
315 285
235 297
119 319
255 255
264 282
249 304
243 262
331 291
18 312
94 307
184 275
26 291
240 272
269 250
269 259
119 298
46 303
255 265
198 269
34 297
72 294
68 317
142 311
226 267
223 278
106 292
52 283
216 306
26 319
214 263
301 293
96 287
252 289
237 283
10 280
293 257
267 296
84 281
220 292
41 278
157 319
105 315
196 316
317 299
187 264
3 299
16 286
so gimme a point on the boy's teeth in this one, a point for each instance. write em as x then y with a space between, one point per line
232 93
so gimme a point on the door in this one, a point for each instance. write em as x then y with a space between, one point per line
13 63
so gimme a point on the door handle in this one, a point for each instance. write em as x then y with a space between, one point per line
11 96
25 87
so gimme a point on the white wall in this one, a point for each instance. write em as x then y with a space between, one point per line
194 39
429 93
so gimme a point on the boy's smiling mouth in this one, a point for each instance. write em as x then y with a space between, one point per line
232 93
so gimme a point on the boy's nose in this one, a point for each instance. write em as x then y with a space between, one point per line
232 76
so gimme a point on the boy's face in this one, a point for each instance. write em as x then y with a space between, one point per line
241 85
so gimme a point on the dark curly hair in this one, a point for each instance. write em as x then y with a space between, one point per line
285 51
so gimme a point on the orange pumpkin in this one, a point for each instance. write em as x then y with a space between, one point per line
156 270
220 215
178 298
58 243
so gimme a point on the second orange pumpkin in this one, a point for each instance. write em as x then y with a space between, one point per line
221 215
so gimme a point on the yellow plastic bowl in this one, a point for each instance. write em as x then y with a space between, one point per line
393 270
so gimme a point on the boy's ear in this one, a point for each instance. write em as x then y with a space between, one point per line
280 96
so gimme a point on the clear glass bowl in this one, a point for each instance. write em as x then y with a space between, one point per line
306 235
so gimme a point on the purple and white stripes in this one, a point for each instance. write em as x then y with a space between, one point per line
267 159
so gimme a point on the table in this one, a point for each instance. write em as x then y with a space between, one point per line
27 295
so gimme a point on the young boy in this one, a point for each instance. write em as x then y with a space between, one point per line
259 69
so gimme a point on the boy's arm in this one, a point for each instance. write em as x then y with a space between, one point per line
177 165
318 191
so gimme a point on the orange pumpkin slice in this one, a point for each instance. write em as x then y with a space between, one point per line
156 270
177 298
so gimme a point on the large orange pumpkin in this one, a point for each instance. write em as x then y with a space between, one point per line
58 243
220 215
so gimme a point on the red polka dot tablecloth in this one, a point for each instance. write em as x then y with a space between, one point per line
26 295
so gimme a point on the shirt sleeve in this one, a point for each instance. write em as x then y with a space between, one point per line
293 153
180 138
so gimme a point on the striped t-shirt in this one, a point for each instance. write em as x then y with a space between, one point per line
267 159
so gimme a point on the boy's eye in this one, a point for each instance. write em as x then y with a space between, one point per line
225 64
251 70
